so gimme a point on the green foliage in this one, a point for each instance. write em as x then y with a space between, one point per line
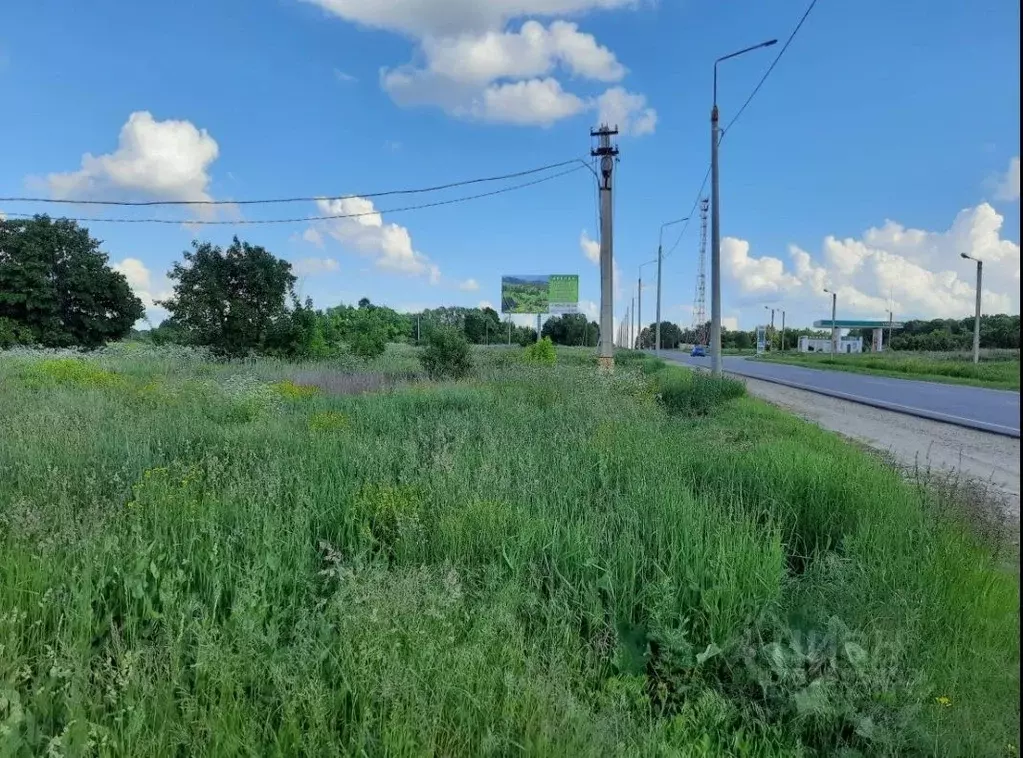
447 354
369 335
232 301
182 550
72 371
12 333
57 289
695 393
571 329
542 352
996 331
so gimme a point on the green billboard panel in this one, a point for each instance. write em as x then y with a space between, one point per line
525 294
563 293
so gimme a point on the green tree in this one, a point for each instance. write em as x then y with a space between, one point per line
568 329
56 287
230 300
369 334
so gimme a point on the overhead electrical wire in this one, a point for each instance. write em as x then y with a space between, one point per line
328 217
770 68
739 113
271 201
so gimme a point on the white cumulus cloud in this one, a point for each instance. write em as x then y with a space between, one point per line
538 102
314 266
590 248
388 244
917 272
627 111
472 64
419 18
145 287
1008 185
166 160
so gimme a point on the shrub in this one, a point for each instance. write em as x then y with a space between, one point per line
696 394
447 354
542 351
369 338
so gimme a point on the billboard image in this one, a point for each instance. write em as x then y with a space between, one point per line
525 294
557 293
563 293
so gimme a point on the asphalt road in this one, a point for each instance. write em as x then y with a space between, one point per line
988 410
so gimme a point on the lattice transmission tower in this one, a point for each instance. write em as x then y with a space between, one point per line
700 302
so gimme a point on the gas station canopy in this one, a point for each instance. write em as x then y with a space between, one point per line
845 323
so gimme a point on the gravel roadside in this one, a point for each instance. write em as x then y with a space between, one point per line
989 461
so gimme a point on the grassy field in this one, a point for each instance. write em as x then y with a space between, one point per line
998 369
202 559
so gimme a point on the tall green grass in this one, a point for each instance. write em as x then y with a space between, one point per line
998 369
200 559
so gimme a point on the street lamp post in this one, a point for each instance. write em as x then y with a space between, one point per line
834 331
660 260
640 306
976 315
715 219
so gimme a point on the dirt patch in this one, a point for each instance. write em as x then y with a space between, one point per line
986 464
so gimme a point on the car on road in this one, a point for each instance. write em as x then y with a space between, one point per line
698 351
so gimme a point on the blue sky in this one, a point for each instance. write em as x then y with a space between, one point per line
885 142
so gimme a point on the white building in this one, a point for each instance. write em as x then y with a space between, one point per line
845 345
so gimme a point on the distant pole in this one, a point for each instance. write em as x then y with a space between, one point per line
783 330
657 316
639 311
660 265
891 320
607 153
834 330
537 327
976 315
418 337
632 325
486 325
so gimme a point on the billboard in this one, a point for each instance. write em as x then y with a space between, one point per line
563 293
557 293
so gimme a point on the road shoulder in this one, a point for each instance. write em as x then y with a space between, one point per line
918 446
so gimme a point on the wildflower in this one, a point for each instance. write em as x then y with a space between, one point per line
944 701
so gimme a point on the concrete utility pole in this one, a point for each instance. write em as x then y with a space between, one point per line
660 262
632 323
607 153
639 309
715 218
834 331
976 316
783 330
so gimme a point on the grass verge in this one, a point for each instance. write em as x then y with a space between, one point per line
953 368
198 559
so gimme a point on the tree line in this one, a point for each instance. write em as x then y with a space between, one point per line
946 334
57 289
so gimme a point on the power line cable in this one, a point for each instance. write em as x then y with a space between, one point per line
739 113
307 219
418 190
769 68
689 216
